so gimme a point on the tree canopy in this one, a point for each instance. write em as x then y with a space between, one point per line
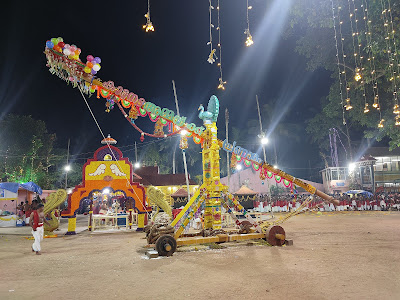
364 65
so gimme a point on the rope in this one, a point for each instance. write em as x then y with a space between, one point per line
112 152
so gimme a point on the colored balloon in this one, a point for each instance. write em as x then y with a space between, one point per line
67 46
57 48
89 57
61 44
49 44
60 39
97 60
78 51
54 41
96 67
66 51
76 57
89 64
72 48
87 70
94 72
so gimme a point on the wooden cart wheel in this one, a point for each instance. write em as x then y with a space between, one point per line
166 245
275 236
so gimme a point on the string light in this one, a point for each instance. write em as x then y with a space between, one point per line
212 56
149 25
391 57
356 55
222 83
359 76
395 74
344 106
338 61
249 38
371 56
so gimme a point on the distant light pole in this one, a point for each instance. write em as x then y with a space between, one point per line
238 168
67 167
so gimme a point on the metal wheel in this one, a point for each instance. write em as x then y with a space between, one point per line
276 236
166 245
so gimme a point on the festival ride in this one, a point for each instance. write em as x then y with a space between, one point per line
63 61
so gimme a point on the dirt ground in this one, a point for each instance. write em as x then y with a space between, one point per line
342 255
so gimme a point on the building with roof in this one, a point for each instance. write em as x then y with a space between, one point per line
167 183
377 170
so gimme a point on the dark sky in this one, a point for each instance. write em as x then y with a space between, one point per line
145 63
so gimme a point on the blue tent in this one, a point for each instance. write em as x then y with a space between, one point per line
14 186
358 192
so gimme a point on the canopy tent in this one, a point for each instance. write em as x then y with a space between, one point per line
358 192
14 186
244 191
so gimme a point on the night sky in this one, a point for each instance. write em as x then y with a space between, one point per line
145 63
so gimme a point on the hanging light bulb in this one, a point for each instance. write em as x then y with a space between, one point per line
366 108
348 104
357 77
396 109
397 123
221 84
380 125
376 103
149 25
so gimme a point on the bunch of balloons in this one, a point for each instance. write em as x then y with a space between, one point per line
71 51
92 65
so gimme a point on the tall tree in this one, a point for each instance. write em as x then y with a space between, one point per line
369 59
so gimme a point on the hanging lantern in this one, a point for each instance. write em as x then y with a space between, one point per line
183 144
366 108
233 161
380 125
397 118
158 128
376 103
133 113
142 137
396 109
262 174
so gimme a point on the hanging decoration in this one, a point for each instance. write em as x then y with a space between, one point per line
158 128
212 56
133 113
359 57
222 83
233 161
343 62
149 25
371 57
249 38
391 49
338 60
183 144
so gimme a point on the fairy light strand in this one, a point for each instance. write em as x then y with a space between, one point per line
390 56
149 25
222 83
371 56
396 110
343 61
249 39
212 56
338 62
360 75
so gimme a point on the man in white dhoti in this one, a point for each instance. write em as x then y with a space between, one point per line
36 222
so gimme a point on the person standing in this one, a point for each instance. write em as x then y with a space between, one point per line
36 222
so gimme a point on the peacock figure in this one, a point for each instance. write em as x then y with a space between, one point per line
211 115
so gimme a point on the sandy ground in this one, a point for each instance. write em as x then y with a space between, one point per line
335 256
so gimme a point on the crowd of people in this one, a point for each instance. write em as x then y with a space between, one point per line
285 203
25 209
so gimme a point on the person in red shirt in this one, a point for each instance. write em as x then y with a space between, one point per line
36 222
